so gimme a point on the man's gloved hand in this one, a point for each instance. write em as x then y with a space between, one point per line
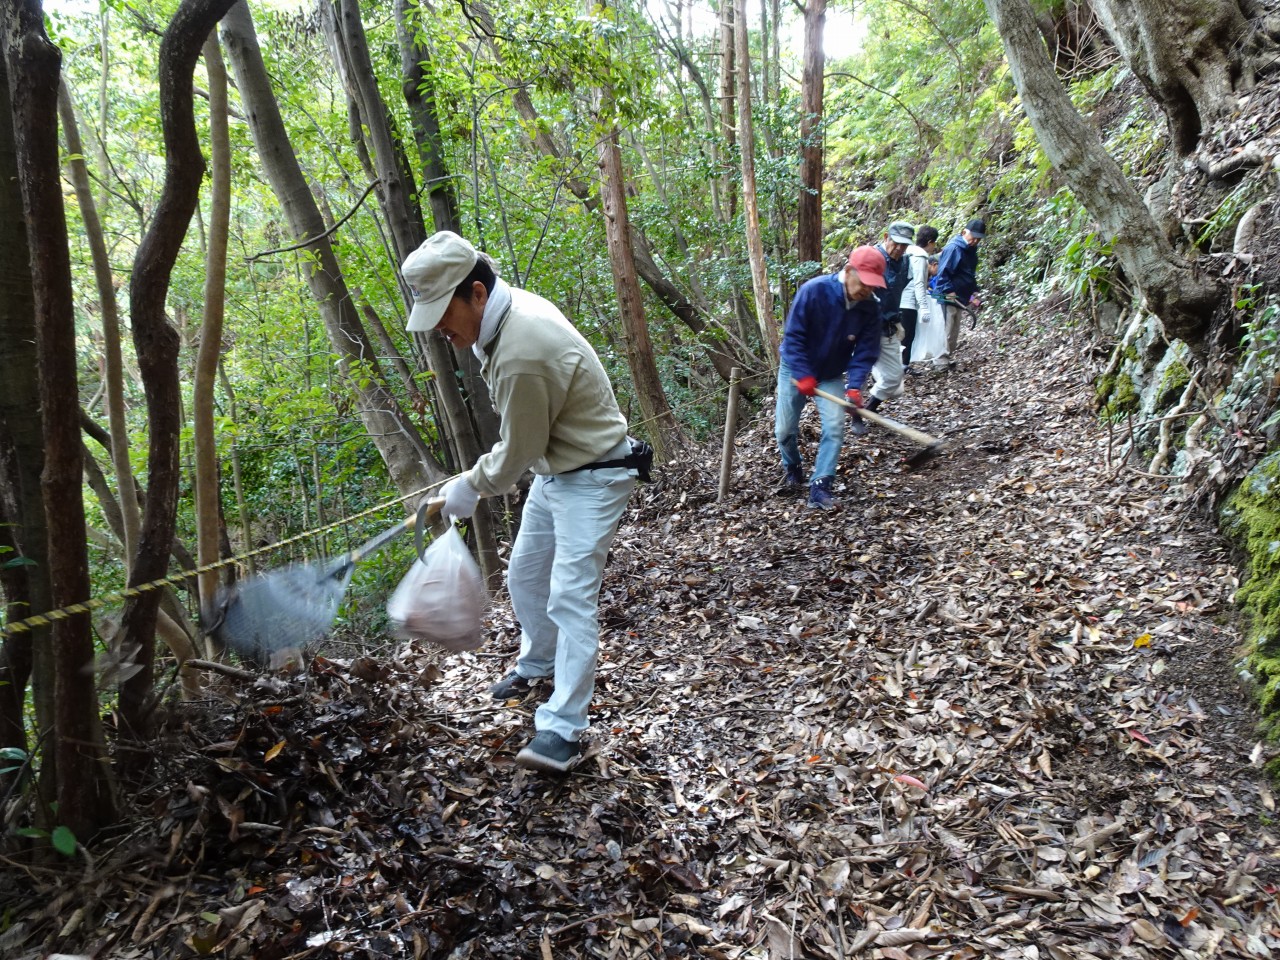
854 397
975 303
807 385
460 498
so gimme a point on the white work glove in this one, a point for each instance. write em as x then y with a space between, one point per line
460 498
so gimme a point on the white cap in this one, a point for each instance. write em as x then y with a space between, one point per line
434 271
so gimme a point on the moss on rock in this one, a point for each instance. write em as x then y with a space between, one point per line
1118 395
1252 517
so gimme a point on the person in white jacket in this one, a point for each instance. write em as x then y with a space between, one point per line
559 418
915 298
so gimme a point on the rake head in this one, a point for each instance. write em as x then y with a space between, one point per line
288 609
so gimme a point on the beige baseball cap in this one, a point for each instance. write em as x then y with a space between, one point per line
433 273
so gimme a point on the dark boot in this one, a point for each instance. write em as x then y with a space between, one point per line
872 404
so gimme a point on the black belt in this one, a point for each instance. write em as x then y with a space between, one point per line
640 460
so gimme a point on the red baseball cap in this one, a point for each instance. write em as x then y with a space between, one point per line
868 264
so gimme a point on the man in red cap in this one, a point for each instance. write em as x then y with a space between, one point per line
830 342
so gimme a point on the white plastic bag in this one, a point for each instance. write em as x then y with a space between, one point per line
442 598
931 333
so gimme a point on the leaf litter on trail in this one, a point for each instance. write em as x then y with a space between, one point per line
983 709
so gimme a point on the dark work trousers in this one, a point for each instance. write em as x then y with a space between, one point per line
908 320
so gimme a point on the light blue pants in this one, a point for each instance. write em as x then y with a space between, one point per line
554 577
786 423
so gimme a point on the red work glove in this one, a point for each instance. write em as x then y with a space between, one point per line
854 397
807 385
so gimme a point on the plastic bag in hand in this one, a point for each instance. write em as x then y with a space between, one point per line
442 598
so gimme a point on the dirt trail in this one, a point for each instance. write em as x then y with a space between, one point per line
984 709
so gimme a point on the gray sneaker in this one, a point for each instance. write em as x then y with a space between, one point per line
512 685
550 753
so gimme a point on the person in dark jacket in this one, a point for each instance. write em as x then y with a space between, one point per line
957 283
886 375
831 340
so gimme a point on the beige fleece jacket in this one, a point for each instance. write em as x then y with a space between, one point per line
550 389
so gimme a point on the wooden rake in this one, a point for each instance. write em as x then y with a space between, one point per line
933 446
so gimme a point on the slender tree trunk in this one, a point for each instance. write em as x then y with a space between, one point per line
113 364
755 245
426 123
1177 292
728 126
399 203
390 353
809 209
721 355
176 637
237 475
84 795
424 120
155 341
644 371
407 459
208 512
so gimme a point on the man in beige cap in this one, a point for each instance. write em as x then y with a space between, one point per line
560 420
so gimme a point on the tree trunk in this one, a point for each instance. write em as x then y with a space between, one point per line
113 364
1177 292
721 355
84 795
208 503
728 126
156 342
398 200
406 457
426 123
1193 56
809 209
663 428
644 372
747 139
237 481
22 521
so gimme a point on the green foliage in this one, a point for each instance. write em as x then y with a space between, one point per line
61 838
1228 212
1252 517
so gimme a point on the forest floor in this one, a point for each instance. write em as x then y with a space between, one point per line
986 708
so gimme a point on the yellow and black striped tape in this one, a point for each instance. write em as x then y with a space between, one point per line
96 603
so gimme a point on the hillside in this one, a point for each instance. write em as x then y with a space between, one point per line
986 708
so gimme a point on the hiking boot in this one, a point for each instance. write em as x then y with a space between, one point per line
550 753
511 686
857 426
872 404
820 494
793 482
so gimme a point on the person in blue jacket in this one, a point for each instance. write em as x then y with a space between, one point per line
956 284
831 340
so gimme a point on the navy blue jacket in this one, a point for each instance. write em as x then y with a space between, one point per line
895 279
823 340
957 270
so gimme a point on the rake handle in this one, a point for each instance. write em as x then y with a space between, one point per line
377 542
911 433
